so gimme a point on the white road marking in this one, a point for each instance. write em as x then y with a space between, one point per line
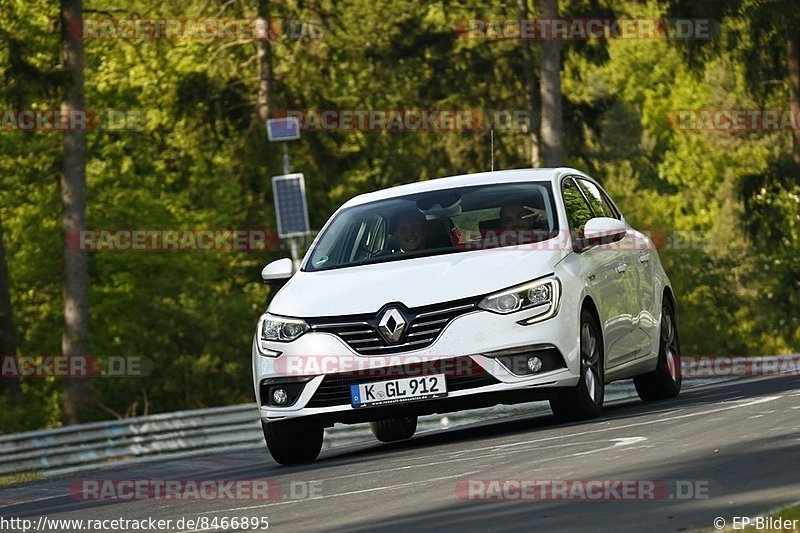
638 424
625 441
445 461
18 502
712 395
735 403
731 405
495 448
338 494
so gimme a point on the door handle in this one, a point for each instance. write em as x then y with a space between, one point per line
644 257
621 268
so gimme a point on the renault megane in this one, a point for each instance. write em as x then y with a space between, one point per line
458 293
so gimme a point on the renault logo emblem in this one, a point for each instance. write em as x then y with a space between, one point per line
392 325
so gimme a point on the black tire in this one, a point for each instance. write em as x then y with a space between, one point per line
584 401
665 381
290 444
393 429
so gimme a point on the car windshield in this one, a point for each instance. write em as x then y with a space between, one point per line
437 222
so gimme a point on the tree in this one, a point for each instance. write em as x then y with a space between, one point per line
793 63
264 57
552 119
201 158
764 35
532 97
75 337
8 338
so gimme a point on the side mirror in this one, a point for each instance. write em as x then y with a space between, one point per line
603 230
277 271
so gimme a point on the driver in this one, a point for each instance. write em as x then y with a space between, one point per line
409 230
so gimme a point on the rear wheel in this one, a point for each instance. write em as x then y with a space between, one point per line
392 429
665 381
584 401
290 443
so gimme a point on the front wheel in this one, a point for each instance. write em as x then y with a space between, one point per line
665 381
392 429
290 443
585 400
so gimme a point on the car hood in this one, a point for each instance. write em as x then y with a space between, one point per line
412 282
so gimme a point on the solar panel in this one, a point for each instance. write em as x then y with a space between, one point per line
283 129
291 209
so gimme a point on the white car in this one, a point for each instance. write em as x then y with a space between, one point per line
457 293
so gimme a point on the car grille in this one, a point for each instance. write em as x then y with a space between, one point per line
360 332
461 373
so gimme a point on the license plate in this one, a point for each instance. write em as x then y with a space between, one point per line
398 390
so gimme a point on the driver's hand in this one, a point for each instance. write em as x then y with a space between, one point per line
538 215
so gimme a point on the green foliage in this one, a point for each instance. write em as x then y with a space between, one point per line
202 161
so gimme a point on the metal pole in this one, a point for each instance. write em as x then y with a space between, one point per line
295 254
491 134
292 242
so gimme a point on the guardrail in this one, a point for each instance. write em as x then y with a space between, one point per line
87 446
180 434
183 434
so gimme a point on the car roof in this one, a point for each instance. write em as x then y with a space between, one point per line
465 180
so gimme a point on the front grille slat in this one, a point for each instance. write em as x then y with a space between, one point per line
425 324
357 332
373 340
449 310
327 325
433 332
430 322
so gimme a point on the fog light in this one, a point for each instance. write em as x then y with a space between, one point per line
534 364
280 397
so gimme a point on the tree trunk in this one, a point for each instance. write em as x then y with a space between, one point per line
8 338
793 61
552 121
74 339
264 57
532 102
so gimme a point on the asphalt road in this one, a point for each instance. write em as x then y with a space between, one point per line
739 441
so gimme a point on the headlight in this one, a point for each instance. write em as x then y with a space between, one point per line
279 329
543 295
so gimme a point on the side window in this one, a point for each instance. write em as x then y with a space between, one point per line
578 211
614 208
597 199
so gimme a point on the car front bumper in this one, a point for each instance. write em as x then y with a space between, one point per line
317 356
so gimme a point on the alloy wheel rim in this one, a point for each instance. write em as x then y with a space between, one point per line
670 350
590 357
